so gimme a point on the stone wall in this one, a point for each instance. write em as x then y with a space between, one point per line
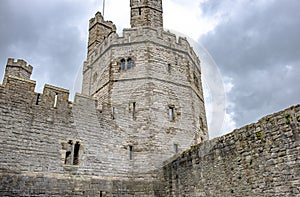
260 159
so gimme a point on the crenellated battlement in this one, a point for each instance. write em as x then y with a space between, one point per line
99 29
18 68
19 63
138 35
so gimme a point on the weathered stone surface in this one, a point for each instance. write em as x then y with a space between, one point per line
118 138
261 159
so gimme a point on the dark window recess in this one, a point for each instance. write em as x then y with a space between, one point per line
69 150
171 113
130 152
113 113
129 63
140 11
176 148
169 68
133 110
72 153
101 194
76 154
196 80
123 67
37 99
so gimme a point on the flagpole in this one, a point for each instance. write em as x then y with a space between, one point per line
103 7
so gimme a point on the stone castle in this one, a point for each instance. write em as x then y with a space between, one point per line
139 126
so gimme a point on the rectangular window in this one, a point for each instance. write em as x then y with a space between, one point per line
169 68
130 152
55 100
176 148
72 152
133 110
37 99
76 154
113 113
171 114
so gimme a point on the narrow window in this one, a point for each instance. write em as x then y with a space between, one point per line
37 99
129 63
76 154
69 149
122 64
196 80
176 148
171 113
101 194
113 113
140 11
55 100
133 109
130 152
169 68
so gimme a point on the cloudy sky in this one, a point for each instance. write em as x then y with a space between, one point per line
255 44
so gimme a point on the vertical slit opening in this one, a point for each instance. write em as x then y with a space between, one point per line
171 113
76 154
140 11
55 100
113 113
133 109
176 148
37 99
130 152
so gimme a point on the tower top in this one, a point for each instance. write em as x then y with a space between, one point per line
146 13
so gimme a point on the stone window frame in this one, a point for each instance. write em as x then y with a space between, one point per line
126 64
171 113
71 152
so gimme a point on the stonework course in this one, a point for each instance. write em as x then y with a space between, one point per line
138 128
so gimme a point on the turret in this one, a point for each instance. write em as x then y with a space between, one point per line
99 30
17 68
146 13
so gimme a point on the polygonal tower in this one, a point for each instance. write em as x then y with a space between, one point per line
149 82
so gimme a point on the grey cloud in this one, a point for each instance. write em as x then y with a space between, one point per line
258 47
47 34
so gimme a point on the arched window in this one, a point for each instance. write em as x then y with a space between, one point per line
129 63
123 64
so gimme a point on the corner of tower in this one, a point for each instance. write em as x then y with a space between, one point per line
99 29
146 13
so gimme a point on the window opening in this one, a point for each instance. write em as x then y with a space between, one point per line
101 194
113 113
133 109
37 99
176 148
55 100
122 64
169 68
130 152
76 154
68 153
140 11
196 80
129 63
171 113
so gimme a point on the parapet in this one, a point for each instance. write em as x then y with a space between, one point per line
99 19
145 34
17 68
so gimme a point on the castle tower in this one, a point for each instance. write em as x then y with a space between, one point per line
17 68
146 13
147 83
99 30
